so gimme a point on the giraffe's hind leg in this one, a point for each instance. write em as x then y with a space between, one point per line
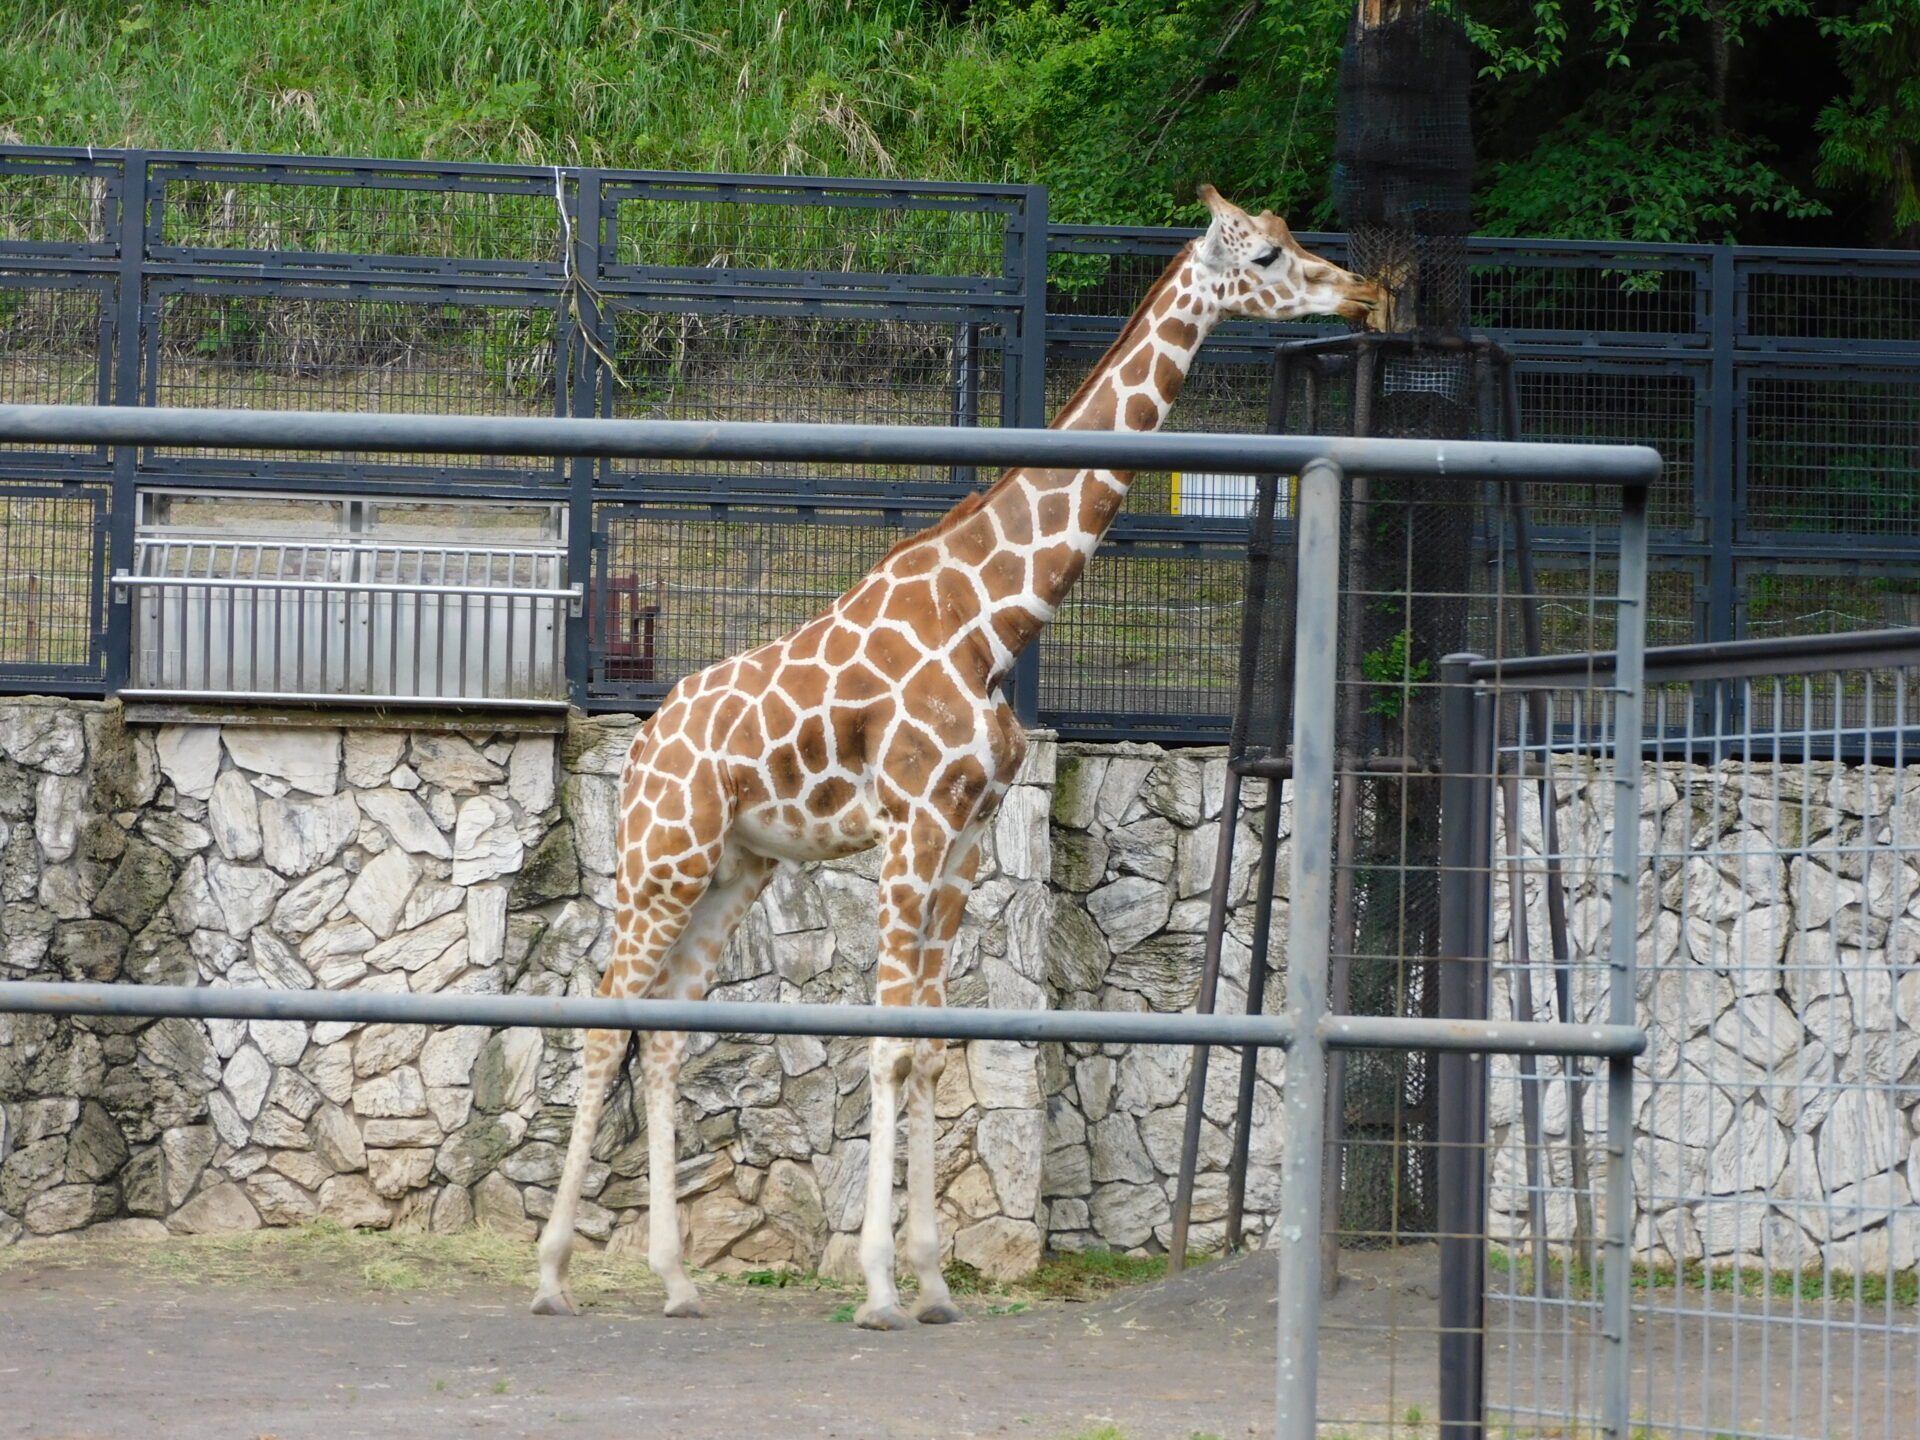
664 875
689 971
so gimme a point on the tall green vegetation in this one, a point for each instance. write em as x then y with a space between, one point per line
1785 120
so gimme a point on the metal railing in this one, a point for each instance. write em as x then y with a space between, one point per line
1306 1028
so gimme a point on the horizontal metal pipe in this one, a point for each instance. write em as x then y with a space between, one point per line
743 1017
1718 659
854 444
1350 1032
342 697
356 587
1493 1037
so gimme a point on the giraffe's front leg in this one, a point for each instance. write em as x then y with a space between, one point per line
934 1306
888 1063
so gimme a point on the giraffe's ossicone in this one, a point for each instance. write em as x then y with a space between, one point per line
881 722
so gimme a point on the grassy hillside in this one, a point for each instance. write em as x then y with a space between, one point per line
807 87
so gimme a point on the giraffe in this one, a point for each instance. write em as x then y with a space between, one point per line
881 722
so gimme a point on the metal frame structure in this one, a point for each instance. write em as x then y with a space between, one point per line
151 266
1307 1030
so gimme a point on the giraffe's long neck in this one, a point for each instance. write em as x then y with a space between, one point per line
1058 517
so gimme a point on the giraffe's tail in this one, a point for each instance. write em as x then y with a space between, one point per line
620 1120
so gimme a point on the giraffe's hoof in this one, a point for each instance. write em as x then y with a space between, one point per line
882 1317
688 1308
939 1312
558 1303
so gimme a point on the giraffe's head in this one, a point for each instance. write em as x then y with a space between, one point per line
1259 270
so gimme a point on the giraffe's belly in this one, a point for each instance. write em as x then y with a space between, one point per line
792 832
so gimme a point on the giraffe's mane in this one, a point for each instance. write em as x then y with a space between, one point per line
1128 333
970 504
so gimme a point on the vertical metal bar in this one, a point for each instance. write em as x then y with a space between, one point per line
966 390
1722 445
1030 396
129 346
583 399
1256 1003
1254 604
1629 678
1279 395
1466 784
1317 623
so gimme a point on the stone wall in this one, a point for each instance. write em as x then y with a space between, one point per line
350 858
1778 1106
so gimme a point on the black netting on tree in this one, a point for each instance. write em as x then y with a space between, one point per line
1403 160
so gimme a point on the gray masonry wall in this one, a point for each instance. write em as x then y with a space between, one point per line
481 861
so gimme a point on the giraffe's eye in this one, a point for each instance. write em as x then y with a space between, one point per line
1266 257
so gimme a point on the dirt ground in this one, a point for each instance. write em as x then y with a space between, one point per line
377 1336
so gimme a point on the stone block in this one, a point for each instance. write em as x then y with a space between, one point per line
1129 910
394 1172
508 1065
369 756
1010 1144
219 1210
486 843
396 1093
279 1200
476 1148
378 896
189 756
451 763
245 893
278 967
999 1248
712 1222
70 1207
551 871
308 760
306 906
354 1203
1004 1074
403 818
497 1206
95 1147
1115 1153
452 1210
1124 1215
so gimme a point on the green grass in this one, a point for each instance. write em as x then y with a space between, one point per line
810 87
1902 1288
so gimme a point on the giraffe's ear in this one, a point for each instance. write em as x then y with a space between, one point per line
1214 250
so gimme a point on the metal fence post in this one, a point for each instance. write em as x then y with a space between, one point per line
1628 717
1026 387
1310 934
580 353
1466 803
1723 496
129 346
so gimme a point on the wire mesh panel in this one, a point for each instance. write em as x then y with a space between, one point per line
675 590
52 558
1428 571
1778 1153
1630 405
1554 905
1864 298
58 204
359 215
1833 455
835 235
323 348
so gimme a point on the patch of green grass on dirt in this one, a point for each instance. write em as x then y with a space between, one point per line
385 1261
